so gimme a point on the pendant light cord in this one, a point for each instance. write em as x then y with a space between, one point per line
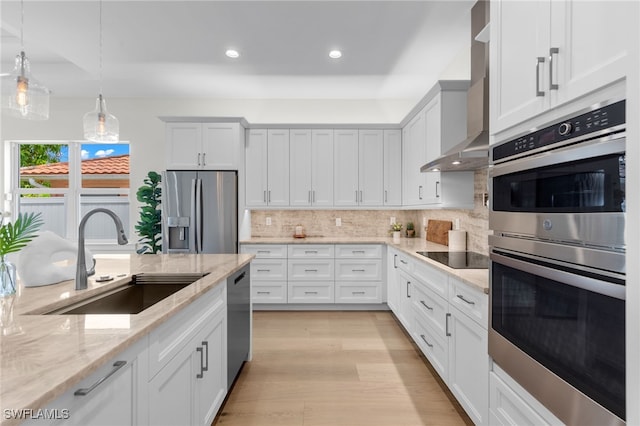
21 24
100 43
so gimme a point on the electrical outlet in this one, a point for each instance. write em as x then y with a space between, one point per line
268 221
392 220
338 221
424 221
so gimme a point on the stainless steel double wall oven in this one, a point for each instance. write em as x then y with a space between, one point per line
557 265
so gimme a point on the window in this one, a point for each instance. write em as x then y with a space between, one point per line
64 180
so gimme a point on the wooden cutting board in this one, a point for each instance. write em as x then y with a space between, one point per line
438 231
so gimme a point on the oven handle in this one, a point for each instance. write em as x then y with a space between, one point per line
586 283
611 144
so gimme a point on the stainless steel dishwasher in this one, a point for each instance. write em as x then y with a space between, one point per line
238 322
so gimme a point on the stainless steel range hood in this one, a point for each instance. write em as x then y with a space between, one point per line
473 152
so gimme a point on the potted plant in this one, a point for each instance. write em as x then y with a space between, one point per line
411 232
395 230
13 237
149 226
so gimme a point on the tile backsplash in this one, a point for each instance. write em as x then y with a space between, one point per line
375 223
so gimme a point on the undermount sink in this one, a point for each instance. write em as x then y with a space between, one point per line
141 292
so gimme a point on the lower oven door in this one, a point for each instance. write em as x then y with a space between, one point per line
560 333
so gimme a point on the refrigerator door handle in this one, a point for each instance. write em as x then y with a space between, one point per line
199 215
193 226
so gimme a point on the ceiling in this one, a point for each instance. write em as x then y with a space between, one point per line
391 49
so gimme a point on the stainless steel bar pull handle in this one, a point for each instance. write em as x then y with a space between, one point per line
552 51
426 306
357 292
309 197
356 195
198 159
437 185
540 60
422 336
360 196
200 375
408 292
269 196
264 196
311 270
264 292
420 192
204 162
205 345
85 391
385 195
357 270
461 297
395 257
310 292
447 325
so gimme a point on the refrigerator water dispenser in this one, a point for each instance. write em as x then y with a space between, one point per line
178 237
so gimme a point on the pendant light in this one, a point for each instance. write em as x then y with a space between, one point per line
99 125
26 97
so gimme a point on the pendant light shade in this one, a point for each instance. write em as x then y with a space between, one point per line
23 95
99 125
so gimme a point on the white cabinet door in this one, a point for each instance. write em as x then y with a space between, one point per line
172 390
322 167
413 157
278 167
433 130
256 168
405 310
300 163
589 56
183 143
220 146
345 172
519 52
211 388
468 376
370 168
392 172
393 287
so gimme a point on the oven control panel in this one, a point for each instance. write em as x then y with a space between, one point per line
595 120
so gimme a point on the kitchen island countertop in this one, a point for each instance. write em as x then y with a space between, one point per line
478 278
40 353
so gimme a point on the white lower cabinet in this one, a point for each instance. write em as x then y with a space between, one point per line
448 321
510 404
107 397
268 272
190 385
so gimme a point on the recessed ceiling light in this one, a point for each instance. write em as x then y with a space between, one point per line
335 54
455 163
231 53
435 170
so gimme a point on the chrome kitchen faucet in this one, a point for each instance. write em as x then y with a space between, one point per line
81 269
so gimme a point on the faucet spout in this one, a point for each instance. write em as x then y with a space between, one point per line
81 268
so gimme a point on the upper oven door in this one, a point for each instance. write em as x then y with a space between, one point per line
571 194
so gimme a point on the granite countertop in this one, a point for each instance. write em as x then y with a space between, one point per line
478 278
31 343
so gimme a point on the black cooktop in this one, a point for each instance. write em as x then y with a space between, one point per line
458 259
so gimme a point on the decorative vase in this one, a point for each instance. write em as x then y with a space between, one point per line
396 236
411 233
7 277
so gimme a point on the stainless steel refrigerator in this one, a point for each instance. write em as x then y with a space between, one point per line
200 211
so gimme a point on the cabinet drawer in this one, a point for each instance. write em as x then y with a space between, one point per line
268 292
473 303
358 270
306 292
434 347
171 337
403 262
358 251
431 276
266 250
508 407
269 269
433 308
311 270
310 251
356 292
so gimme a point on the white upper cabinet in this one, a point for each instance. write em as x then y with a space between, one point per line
345 167
267 167
370 168
204 146
413 157
311 165
549 52
392 172
358 167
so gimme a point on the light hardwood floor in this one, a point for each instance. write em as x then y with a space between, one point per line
336 369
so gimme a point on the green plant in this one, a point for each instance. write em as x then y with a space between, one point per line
149 226
14 236
396 227
410 226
